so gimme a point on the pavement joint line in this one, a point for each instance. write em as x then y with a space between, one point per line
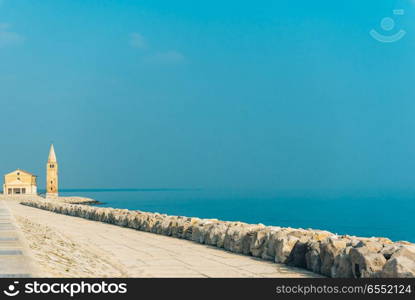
24 275
11 252
14 261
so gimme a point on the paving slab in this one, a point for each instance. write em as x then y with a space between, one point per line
15 261
145 254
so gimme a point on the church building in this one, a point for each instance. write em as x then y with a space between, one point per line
20 182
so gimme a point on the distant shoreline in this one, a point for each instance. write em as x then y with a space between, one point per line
97 190
73 200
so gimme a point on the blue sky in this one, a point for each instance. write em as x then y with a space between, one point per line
211 94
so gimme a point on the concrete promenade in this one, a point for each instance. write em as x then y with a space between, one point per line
65 246
15 260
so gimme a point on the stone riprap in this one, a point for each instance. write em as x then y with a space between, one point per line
66 199
319 251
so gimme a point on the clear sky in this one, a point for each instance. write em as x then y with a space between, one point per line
209 94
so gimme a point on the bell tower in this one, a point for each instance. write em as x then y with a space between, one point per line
52 174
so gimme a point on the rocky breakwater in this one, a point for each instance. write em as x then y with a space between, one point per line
74 200
319 251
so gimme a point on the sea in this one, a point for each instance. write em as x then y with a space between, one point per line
366 214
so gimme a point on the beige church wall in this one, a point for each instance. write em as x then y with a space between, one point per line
24 177
30 189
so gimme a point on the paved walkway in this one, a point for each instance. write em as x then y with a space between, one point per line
14 259
142 254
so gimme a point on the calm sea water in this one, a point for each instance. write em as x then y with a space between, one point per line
380 214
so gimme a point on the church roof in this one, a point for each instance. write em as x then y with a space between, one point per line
52 155
21 171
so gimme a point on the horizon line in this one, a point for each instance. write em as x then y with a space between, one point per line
125 189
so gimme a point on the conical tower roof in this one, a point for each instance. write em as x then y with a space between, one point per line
52 155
